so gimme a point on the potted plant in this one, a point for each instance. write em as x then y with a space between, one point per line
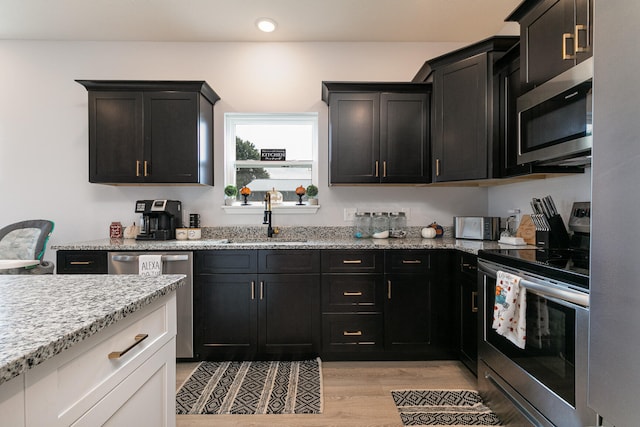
312 193
230 193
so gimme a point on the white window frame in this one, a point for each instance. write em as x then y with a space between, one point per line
233 119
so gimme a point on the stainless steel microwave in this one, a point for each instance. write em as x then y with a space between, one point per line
555 123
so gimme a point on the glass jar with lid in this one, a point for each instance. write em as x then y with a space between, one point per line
362 225
380 225
397 224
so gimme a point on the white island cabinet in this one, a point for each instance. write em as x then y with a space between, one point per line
116 370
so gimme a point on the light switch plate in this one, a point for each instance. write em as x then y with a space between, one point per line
349 214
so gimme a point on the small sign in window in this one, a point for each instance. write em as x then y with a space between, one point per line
273 154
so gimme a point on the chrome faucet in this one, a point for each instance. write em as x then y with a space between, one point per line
267 216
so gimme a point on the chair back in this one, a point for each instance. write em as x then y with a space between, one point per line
25 239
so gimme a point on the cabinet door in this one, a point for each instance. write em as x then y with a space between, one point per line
115 137
171 137
469 324
354 147
505 115
548 45
404 137
289 314
460 121
226 322
408 312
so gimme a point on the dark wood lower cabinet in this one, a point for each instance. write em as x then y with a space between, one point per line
289 315
241 314
408 312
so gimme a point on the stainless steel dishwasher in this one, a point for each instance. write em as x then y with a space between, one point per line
180 262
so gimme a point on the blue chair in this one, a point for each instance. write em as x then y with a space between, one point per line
26 240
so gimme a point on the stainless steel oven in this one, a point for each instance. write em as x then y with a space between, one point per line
544 383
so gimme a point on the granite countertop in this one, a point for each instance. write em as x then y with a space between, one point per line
221 238
41 316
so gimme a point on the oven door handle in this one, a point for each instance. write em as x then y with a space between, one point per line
561 296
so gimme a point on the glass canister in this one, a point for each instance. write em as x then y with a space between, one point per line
397 224
380 225
362 225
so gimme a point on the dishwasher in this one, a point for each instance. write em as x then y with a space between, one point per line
179 262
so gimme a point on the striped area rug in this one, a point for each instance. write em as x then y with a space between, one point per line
443 408
272 387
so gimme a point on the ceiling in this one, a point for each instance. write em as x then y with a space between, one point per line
234 20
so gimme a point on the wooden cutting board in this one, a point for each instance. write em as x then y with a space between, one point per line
527 230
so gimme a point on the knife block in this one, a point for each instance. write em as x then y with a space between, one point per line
555 237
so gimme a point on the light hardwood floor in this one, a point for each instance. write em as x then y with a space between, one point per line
355 394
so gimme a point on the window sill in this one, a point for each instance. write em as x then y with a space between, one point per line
258 208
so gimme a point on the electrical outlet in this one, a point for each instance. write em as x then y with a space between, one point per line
349 214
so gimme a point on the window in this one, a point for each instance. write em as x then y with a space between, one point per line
249 135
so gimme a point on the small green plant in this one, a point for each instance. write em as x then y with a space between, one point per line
230 191
312 191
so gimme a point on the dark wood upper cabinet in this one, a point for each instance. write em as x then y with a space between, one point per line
462 146
150 132
555 36
378 132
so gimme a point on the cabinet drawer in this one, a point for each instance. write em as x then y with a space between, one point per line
407 261
352 261
289 261
352 292
224 261
81 262
83 375
352 332
468 265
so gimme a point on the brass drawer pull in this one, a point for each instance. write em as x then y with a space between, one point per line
352 294
352 261
352 334
377 175
384 169
474 302
411 261
138 339
80 262
565 39
253 290
146 171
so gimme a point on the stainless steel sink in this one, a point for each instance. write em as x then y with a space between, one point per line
265 241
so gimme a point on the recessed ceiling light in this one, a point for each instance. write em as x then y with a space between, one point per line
265 24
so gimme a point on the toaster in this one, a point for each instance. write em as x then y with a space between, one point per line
476 227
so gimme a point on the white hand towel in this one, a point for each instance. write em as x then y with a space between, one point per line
510 309
150 265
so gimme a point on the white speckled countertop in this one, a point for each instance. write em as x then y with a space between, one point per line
41 316
289 238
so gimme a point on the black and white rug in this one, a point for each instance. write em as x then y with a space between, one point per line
272 387
443 408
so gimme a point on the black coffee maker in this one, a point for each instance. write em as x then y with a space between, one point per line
159 219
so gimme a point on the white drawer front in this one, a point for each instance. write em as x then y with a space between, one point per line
75 380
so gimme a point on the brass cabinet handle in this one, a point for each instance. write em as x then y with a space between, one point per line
352 334
352 294
411 261
146 171
81 262
388 289
118 354
377 169
137 167
437 167
474 302
384 169
469 267
261 290
253 290
352 261
578 48
565 38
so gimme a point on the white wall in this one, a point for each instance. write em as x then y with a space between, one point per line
43 127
